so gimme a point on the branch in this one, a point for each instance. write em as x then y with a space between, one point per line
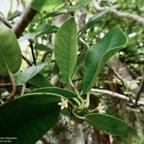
25 18
32 51
5 85
117 95
140 91
44 56
28 61
3 20
117 75
134 17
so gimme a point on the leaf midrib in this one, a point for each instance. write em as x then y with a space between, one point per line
101 60
106 126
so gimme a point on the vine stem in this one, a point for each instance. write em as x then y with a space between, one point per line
11 77
12 94
13 84
23 89
77 116
87 101
77 101
79 97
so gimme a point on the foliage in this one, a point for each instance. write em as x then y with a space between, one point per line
10 55
76 54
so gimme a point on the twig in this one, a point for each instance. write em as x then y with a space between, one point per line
28 62
12 94
130 71
3 20
32 51
117 74
5 103
134 17
84 42
139 92
72 12
5 85
116 95
44 56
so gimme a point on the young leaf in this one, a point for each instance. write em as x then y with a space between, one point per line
100 53
26 75
10 54
54 90
109 124
28 118
65 48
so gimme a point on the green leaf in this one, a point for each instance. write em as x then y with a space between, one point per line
139 2
99 54
49 30
55 68
28 118
55 13
109 124
78 6
65 48
50 97
42 47
26 75
39 81
93 20
42 5
53 90
10 54
27 37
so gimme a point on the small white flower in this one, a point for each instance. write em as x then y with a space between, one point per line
100 108
63 103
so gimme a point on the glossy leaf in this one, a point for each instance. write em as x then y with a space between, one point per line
100 53
109 124
26 75
28 118
54 90
10 54
93 20
39 81
65 48
40 5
